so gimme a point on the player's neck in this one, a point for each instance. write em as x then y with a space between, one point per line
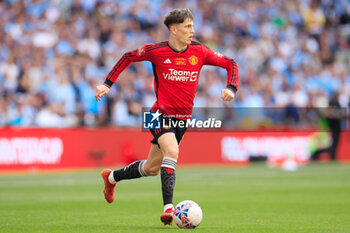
175 44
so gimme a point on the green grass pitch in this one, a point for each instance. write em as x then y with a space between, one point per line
316 198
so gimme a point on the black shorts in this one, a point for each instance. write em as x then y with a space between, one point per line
178 131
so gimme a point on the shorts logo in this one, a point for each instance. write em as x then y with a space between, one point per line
151 120
193 60
180 61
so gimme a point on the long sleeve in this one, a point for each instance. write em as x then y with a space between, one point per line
136 55
217 59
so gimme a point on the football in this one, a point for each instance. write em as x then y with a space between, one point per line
188 214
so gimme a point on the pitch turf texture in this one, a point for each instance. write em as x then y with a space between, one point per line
316 198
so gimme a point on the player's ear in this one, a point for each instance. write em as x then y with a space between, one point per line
173 28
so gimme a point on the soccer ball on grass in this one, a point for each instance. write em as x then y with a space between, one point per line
188 214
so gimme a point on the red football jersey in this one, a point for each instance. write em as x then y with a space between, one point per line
176 74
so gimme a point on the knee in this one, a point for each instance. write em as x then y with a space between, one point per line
151 171
172 152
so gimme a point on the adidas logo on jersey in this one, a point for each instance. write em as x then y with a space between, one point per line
167 61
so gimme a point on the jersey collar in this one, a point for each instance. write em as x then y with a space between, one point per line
175 49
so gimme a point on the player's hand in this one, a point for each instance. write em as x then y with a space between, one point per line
101 90
227 94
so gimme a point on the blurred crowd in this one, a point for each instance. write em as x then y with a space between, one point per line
54 53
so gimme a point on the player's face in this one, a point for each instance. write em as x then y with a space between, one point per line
185 31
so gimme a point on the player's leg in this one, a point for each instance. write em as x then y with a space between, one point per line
170 150
154 161
134 170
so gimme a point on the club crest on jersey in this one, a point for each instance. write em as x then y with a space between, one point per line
193 60
180 61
